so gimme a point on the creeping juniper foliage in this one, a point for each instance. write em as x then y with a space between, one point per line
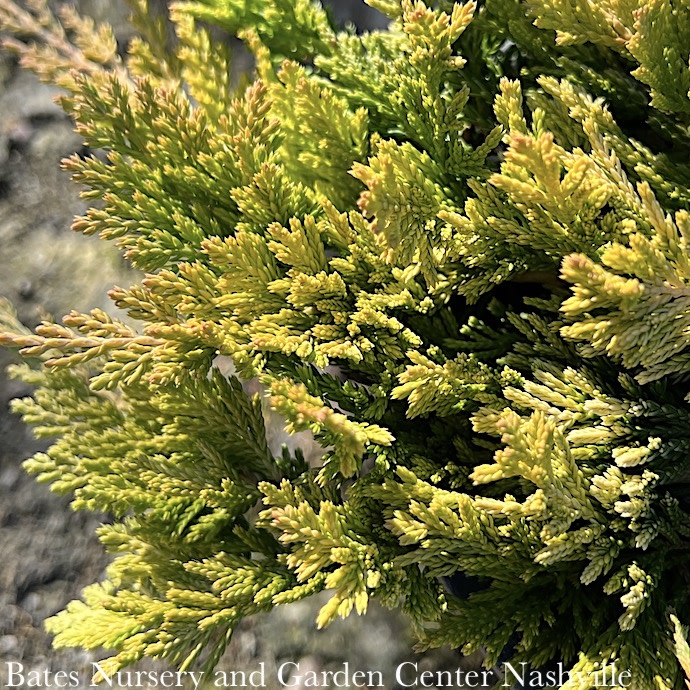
457 251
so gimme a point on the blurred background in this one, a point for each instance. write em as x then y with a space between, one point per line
49 552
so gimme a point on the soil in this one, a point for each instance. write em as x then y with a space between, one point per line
49 553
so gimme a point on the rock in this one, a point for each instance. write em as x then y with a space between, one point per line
9 645
54 141
26 98
358 13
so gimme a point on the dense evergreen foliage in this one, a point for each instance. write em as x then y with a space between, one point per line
456 251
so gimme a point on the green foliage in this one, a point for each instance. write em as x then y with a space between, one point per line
456 251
